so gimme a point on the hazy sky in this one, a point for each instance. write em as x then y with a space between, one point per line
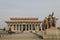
28 8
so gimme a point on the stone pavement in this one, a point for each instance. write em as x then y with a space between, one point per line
21 36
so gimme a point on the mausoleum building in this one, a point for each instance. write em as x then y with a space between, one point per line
23 24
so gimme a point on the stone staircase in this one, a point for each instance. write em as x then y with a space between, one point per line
21 36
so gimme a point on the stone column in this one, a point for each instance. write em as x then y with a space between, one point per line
8 27
12 27
31 27
26 27
38 26
41 27
21 27
18 27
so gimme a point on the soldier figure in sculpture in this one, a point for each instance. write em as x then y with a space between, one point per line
54 19
46 23
50 20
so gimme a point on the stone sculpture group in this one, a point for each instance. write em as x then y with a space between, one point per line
49 21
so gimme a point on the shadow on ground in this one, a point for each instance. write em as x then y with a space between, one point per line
41 37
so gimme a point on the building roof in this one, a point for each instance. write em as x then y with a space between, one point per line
24 18
20 21
12 20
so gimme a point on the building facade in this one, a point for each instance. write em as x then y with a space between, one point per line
23 24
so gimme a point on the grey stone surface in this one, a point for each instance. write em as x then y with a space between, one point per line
21 36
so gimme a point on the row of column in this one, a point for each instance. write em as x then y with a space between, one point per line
21 27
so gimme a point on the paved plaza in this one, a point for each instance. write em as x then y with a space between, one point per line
21 36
